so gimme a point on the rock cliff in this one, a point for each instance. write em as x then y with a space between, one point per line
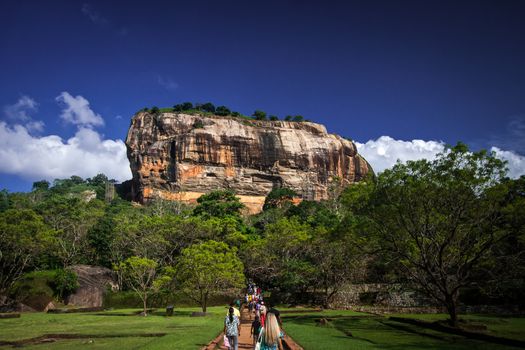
181 156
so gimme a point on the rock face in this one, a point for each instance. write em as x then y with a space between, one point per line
93 282
181 156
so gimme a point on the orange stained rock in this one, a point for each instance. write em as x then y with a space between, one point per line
253 204
187 171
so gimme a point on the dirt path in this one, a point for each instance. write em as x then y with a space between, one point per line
245 339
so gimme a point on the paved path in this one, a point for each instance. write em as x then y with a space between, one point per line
245 339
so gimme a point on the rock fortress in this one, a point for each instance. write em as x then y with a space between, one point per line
178 156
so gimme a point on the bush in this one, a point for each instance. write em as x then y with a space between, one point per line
155 110
186 106
129 299
259 115
278 197
298 118
65 282
208 107
198 124
34 289
222 111
38 287
274 118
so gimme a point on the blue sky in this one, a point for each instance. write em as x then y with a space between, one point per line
402 78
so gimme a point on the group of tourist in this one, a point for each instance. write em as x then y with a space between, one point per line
266 326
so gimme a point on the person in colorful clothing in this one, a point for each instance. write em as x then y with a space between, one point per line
232 329
270 337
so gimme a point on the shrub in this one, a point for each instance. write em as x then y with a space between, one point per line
259 115
222 110
155 110
288 118
298 118
65 282
278 197
187 106
208 107
198 124
274 118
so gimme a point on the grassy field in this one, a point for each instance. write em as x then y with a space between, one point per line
352 330
345 330
109 330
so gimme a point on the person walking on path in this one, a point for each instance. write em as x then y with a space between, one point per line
236 311
256 328
262 312
232 329
270 336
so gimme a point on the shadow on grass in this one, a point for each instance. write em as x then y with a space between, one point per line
380 333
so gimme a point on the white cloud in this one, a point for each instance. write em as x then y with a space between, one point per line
93 15
167 83
77 111
20 113
515 162
384 152
35 126
48 157
21 109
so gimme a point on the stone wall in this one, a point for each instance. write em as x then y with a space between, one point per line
380 294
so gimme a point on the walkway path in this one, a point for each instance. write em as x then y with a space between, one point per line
245 339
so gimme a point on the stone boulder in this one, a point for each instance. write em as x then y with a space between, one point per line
93 282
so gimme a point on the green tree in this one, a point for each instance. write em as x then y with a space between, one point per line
186 106
141 276
274 118
65 282
288 118
259 115
4 200
208 107
100 238
218 203
298 118
71 218
42 185
281 258
206 268
279 197
24 237
222 111
155 110
439 219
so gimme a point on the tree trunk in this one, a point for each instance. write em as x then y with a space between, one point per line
145 301
451 302
205 302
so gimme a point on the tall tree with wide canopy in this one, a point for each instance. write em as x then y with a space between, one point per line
206 268
23 237
439 219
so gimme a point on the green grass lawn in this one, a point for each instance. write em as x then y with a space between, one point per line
182 331
376 332
185 332
508 327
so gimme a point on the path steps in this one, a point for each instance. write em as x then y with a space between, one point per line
245 339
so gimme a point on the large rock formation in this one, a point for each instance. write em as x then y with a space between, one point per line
181 156
93 282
